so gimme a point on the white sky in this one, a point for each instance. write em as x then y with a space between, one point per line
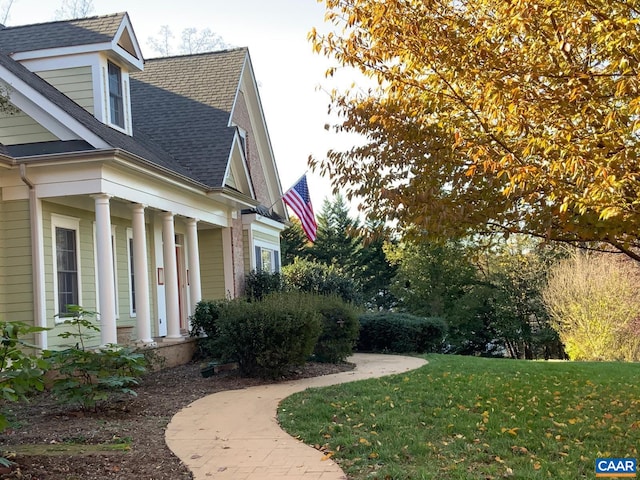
287 71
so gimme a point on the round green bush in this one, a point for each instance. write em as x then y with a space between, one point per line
269 336
340 328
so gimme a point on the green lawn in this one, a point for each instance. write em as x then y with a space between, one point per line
474 418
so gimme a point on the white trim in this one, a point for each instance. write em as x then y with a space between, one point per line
70 223
263 224
273 248
260 132
38 65
40 287
61 51
136 61
124 84
236 149
161 305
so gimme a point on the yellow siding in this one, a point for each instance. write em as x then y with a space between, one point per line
122 269
16 285
17 128
76 83
87 265
211 264
3 281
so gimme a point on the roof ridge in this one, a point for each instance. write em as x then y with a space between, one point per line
200 54
94 17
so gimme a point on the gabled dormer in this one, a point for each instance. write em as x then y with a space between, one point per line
89 60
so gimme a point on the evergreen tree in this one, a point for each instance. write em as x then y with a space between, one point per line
374 271
293 243
337 242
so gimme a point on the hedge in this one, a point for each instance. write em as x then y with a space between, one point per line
391 332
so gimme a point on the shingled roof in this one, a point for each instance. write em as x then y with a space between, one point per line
67 33
184 105
141 145
181 106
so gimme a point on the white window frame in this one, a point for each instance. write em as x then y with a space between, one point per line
242 133
69 223
275 255
122 96
130 259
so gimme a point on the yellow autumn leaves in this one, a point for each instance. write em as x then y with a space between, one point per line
526 111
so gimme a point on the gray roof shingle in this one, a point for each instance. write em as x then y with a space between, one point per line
141 145
67 33
184 105
181 106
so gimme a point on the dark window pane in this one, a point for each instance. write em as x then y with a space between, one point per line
66 255
132 279
116 104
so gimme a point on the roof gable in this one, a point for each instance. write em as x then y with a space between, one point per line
184 104
104 33
85 125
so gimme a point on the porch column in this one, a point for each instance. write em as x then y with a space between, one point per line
195 288
106 294
172 298
141 275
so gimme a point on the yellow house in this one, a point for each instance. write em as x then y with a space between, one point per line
132 188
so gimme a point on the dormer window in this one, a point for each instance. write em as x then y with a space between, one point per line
116 102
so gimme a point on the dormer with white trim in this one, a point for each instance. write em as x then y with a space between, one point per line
89 60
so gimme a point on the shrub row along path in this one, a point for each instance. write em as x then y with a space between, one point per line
235 434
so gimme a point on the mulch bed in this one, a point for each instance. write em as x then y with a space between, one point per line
124 440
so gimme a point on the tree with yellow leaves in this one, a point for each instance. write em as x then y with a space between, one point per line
492 115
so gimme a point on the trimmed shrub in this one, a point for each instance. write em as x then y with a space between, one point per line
400 333
321 279
340 329
261 283
204 324
270 336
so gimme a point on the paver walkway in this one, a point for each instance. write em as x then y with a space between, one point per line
235 434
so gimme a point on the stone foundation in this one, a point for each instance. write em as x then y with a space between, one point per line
172 354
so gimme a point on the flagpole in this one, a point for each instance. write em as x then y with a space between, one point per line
292 185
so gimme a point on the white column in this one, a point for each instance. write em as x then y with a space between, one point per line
38 269
195 287
107 294
141 275
170 277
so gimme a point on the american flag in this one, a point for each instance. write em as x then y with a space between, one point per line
297 197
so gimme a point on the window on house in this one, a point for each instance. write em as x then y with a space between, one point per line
132 278
243 141
115 269
267 259
66 264
116 102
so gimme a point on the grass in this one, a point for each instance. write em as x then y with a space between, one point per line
474 418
